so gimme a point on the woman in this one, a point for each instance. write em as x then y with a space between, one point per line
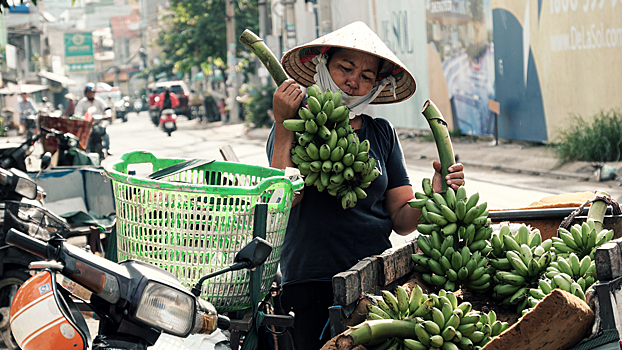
322 239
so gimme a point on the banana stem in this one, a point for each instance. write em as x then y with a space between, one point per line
441 137
597 211
375 332
261 50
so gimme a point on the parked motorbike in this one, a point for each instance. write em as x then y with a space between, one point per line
99 140
13 155
135 301
168 121
21 211
70 152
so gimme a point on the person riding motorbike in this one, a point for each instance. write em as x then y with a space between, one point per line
99 107
25 107
167 100
90 100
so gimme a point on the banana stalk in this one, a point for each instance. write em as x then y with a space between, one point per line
441 137
261 50
375 332
597 211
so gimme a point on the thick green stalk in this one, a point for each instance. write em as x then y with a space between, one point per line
441 137
597 211
374 332
261 50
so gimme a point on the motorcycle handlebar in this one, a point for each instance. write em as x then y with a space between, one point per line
29 244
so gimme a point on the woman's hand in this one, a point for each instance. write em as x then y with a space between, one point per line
286 100
455 178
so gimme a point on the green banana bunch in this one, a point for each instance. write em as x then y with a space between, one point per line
442 266
520 258
572 275
328 152
581 239
439 321
454 251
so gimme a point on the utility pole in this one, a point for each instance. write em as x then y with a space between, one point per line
325 20
263 18
290 24
232 84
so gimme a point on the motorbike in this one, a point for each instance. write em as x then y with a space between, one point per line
19 199
136 302
70 152
154 112
99 140
32 124
13 155
168 121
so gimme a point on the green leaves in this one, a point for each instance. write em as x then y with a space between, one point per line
184 37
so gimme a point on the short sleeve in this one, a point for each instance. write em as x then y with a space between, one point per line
395 164
270 145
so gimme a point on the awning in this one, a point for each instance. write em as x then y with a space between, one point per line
63 80
11 88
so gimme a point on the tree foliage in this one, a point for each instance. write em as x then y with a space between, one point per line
196 30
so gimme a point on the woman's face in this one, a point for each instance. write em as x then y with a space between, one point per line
354 71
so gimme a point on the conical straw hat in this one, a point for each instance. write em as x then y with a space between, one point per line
298 63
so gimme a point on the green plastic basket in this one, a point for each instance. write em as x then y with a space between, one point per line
194 222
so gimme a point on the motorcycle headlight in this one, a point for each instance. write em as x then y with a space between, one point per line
26 188
166 308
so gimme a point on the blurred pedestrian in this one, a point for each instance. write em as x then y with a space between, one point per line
25 107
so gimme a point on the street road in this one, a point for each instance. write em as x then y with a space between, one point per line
193 140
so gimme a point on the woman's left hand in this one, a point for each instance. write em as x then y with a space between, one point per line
455 178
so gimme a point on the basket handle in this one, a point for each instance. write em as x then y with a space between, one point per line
136 157
266 183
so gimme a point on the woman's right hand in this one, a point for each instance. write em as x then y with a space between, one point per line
286 100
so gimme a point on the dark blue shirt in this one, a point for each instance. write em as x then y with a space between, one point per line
322 238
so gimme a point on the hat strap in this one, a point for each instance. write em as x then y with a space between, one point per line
356 104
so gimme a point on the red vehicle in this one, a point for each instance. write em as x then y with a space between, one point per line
182 92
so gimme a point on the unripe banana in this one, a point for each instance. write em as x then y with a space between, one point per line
337 154
347 159
471 215
311 127
432 327
311 178
305 114
422 334
339 114
448 213
360 193
297 160
353 148
362 156
294 124
472 201
337 178
325 179
426 184
460 209
313 151
372 176
316 166
562 283
411 344
575 264
510 244
348 173
402 300
314 105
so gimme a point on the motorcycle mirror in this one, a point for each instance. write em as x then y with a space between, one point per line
251 256
46 159
254 254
